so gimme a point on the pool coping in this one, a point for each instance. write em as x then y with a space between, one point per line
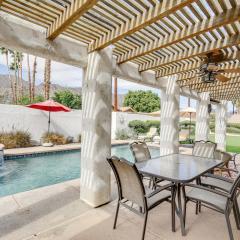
40 150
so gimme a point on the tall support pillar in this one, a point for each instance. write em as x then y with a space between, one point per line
169 131
221 125
202 117
96 125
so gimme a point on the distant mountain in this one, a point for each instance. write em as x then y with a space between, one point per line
5 89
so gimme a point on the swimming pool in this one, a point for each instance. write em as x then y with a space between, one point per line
27 173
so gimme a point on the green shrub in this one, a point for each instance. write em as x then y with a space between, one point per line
153 123
122 134
15 139
25 100
234 125
55 138
233 130
138 126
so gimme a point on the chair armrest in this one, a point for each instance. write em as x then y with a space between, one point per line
234 155
159 190
229 169
208 189
218 177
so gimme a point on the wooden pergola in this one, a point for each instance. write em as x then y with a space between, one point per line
166 36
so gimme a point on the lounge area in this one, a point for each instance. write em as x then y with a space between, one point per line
187 48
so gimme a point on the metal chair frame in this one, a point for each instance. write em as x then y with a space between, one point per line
231 203
143 211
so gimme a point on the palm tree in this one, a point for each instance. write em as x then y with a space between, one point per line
29 79
5 51
34 77
47 78
16 65
20 73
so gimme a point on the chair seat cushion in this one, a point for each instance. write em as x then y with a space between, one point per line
213 199
157 198
217 183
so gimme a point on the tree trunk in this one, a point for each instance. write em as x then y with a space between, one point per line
47 77
29 79
15 84
10 79
20 79
34 77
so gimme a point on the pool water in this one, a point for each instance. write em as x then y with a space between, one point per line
23 174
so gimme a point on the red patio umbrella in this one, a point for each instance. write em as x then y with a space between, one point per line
49 106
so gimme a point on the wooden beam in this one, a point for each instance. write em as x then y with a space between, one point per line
162 9
69 16
191 31
192 52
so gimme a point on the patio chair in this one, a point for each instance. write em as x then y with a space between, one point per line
204 149
149 136
220 201
216 181
141 153
226 158
234 159
131 191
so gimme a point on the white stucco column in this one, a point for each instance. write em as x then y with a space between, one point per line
202 117
96 128
169 131
221 125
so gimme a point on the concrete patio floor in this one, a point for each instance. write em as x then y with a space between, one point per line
55 212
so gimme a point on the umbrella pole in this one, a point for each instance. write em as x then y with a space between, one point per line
49 116
190 127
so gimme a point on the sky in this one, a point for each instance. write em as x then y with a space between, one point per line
69 76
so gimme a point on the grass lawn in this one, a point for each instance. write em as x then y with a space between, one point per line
233 142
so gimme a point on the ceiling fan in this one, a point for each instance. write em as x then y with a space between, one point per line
210 71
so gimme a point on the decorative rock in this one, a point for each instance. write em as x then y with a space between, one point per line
47 144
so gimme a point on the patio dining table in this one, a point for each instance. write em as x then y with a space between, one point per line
179 169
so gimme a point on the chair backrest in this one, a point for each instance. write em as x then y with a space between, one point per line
224 156
140 151
152 131
235 186
204 149
130 185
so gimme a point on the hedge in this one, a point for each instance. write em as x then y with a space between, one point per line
139 126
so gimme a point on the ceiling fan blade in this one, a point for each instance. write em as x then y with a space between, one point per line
222 78
236 70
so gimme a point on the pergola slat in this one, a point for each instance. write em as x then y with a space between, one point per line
224 18
194 52
69 16
161 9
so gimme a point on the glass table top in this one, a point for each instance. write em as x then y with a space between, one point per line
178 167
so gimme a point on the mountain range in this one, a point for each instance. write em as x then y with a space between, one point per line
6 92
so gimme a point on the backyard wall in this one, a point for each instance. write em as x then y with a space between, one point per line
68 124
36 121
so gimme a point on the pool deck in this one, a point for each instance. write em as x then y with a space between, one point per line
66 147
56 213
56 148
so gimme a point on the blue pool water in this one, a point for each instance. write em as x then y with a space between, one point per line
23 174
